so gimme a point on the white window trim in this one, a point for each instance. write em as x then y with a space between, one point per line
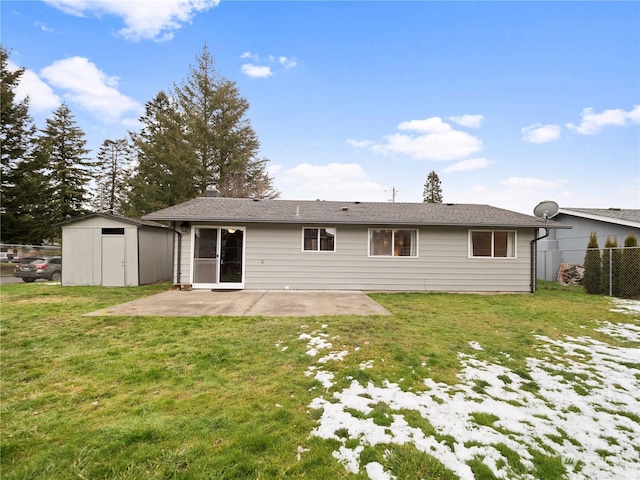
335 240
393 239
470 244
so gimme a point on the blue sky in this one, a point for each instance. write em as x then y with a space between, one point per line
510 103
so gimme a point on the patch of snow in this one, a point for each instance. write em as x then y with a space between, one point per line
475 345
367 364
349 457
548 412
336 356
376 472
625 331
630 307
316 342
300 452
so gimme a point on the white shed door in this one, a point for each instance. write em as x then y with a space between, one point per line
113 260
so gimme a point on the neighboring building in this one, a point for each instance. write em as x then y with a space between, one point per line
14 252
115 251
232 243
569 246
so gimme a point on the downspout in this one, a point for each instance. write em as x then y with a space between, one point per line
176 266
534 253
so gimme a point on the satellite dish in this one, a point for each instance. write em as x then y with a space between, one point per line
546 210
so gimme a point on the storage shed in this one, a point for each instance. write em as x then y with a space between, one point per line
115 251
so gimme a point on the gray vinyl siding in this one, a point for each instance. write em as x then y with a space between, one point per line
275 260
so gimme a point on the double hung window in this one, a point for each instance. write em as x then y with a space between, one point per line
393 243
492 244
319 239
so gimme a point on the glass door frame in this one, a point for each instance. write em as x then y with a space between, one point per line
218 285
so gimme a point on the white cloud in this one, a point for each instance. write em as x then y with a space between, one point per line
264 71
256 71
41 96
539 133
428 125
473 121
359 143
91 88
435 140
143 20
287 63
519 194
250 56
466 165
593 122
335 181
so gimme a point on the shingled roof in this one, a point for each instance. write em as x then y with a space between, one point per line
133 221
242 210
621 216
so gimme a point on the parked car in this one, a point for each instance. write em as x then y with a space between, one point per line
32 268
4 257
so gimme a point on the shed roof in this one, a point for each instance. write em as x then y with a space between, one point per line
132 221
619 216
241 210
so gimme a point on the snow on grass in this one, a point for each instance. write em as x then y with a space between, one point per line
580 402
631 307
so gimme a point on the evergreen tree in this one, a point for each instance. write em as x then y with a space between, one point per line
607 264
592 266
22 183
113 158
630 268
165 172
616 262
61 147
223 142
432 191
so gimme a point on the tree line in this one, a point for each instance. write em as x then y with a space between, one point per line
615 271
193 137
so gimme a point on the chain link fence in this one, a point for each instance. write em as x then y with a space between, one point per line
619 273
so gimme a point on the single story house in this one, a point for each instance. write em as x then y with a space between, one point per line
237 243
115 251
569 246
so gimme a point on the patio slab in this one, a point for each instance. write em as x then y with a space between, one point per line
246 303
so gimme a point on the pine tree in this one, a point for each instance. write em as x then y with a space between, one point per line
61 147
23 188
165 171
592 266
222 139
432 191
630 268
113 158
607 264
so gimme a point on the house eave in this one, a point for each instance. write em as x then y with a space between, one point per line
599 218
315 221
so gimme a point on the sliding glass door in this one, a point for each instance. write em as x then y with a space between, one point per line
218 257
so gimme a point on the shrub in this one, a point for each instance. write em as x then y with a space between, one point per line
592 266
607 264
630 269
616 262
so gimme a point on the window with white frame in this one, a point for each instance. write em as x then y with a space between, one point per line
492 244
393 243
319 239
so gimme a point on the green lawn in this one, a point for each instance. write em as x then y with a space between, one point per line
231 398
